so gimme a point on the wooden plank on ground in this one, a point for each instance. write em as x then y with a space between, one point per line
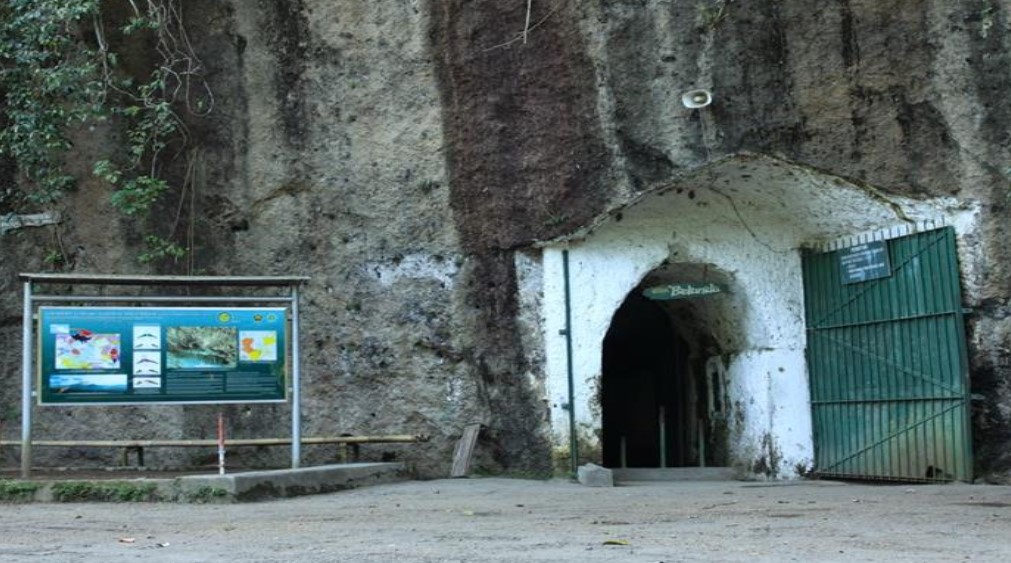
464 450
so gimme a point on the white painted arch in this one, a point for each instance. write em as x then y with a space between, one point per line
743 219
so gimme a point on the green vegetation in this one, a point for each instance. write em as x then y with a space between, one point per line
206 494
710 16
54 258
159 248
58 73
13 491
588 449
556 219
17 491
49 82
117 491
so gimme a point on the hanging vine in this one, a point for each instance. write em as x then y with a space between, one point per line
58 70
49 82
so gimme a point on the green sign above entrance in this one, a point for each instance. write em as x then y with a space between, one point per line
685 290
133 355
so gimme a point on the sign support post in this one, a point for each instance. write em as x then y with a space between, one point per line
26 382
221 443
296 391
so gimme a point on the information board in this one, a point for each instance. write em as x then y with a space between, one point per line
864 262
162 355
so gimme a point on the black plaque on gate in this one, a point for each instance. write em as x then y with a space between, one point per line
864 262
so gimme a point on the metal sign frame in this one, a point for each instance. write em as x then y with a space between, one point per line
31 300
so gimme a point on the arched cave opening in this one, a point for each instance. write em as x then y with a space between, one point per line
661 402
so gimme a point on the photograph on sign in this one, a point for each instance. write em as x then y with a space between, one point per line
89 383
201 347
146 383
94 355
146 362
146 337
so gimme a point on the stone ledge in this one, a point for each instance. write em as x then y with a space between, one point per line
211 488
280 483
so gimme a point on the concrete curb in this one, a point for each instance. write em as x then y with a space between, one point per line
229 488
282 483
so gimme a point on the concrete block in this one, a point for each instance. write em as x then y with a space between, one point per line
593 475
259 485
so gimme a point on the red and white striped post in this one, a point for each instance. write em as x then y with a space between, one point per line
221 443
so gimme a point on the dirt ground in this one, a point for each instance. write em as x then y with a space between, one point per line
519 520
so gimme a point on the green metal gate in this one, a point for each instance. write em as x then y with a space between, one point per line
887 362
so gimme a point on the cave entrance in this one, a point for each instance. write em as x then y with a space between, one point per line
659 403
730 369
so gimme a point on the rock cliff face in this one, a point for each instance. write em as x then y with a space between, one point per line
407 154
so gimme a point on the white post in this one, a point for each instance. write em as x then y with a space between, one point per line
26 383
296 388
221 443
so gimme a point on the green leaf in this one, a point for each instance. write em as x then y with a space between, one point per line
137 195
160 248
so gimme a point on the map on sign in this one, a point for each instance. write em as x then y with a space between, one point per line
258 346
81 349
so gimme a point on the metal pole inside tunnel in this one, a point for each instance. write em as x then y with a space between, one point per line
573 444
663 437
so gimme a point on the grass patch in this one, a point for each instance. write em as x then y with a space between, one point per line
17 491
206 494
116 491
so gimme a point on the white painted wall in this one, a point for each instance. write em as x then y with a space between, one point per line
747 221
767 294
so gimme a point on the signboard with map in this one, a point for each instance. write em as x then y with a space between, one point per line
162 355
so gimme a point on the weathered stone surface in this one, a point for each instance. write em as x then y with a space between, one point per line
593 475
403 153
263 485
